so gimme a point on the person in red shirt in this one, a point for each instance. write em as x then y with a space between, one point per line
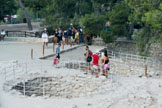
96 63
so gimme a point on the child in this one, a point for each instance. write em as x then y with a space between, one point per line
95 63
57 54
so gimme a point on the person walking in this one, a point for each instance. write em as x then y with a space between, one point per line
45 38
57 51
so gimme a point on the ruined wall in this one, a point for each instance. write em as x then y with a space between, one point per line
156 50
125 46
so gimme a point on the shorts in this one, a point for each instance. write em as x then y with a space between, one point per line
45 40
95 67
106 66
65 37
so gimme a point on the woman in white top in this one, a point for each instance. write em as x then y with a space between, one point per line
45 38
2 35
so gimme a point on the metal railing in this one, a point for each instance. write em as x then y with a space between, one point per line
21 34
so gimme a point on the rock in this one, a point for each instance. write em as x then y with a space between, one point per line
74 106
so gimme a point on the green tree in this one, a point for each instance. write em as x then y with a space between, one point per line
148 15
8 7
119 24
26 15
93 23
38 7
60 13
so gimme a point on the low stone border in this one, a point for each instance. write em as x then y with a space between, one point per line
63 51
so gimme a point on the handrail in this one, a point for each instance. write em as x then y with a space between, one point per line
20 34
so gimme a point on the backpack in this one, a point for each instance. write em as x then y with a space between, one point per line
89 59
55 61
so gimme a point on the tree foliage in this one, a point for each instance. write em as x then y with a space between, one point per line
92 15
118 18
92 23
8 7
147 14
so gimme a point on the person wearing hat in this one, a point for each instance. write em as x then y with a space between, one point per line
45 38
96 63
57 51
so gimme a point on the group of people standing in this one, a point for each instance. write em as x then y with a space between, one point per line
68 36
95 58
75 35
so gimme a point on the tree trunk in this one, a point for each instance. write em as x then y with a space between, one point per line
26 15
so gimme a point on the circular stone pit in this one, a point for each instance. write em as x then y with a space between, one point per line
61 86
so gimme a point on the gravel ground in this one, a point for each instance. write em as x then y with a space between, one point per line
124 92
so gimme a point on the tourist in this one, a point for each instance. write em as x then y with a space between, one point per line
70 36
96 63
88 58
80 35
66 36
55 38
57 51
77 37
88 39
60 35
45 38
2 35
105 65
74 31
102 62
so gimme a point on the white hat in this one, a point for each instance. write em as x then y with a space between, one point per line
102 54
45 28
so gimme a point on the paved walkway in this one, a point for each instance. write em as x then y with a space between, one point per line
22 50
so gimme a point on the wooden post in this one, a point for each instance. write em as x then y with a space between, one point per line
53 47
25 33
31 53
63 42
43 50
7 33
70 42
145 70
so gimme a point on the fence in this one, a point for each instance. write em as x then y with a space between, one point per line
120 65
21 34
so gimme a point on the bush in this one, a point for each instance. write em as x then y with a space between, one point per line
92 23
107 36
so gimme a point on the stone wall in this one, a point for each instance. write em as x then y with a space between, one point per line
156 51
19 27
125 46
62 86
